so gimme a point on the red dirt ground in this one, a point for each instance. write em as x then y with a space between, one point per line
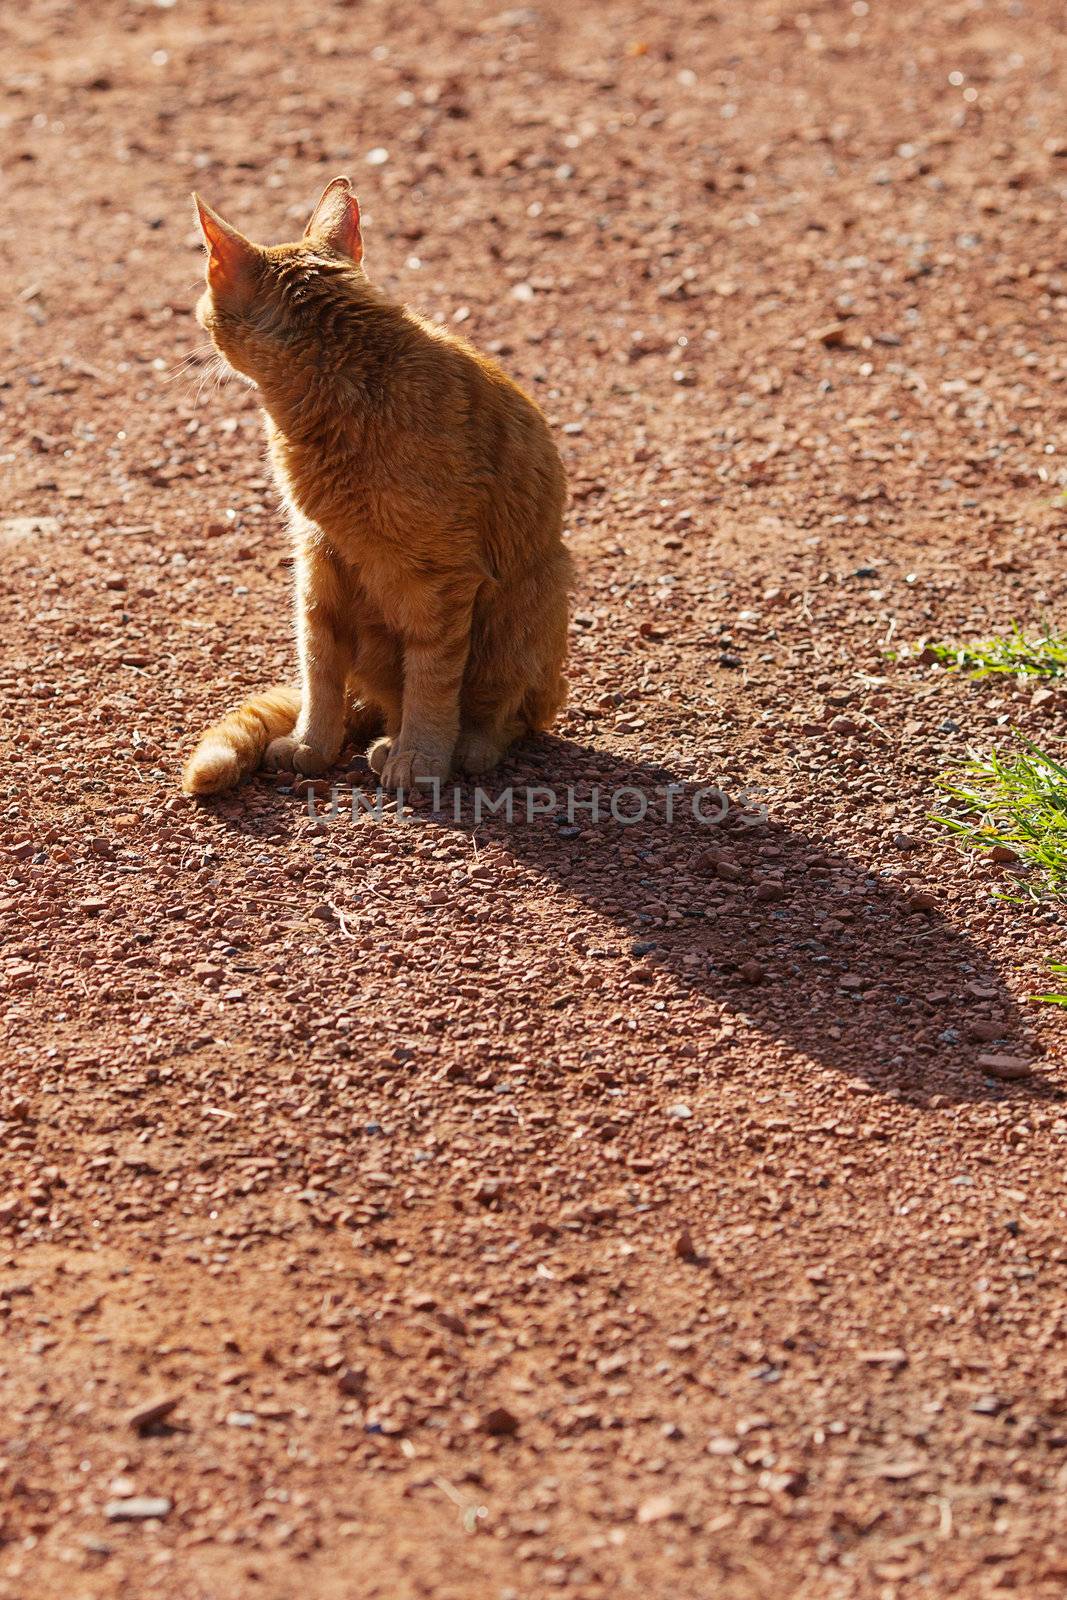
535 1210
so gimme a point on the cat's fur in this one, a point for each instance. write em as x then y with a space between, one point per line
426 499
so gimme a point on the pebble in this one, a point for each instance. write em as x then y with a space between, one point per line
500 1423
146 1416
983 1030
684 1248
659 1508
893 1357
138 1508
768 892
1008 1068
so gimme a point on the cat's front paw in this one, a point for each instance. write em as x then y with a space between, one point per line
403 769
289 755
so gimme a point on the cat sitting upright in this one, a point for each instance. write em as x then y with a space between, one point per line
426 501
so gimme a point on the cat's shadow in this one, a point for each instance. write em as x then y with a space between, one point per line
792 939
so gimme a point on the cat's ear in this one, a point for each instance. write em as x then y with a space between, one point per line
335 221
231 257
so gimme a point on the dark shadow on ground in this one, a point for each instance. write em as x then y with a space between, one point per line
811 946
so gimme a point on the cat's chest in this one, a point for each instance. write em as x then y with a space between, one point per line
341 493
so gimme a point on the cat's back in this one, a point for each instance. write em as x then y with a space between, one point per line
462 395
412 424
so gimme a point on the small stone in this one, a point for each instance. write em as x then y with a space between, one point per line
721 1445
141 1418
1002 854
1009 1068
352 1381
452 1323
988 1405
500 1423
684 1248
982 1030
904 841
893 1357
922 900
832 335
752 972
138 1508
767 892
843 726
660 1508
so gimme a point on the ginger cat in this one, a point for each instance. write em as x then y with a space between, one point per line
426 501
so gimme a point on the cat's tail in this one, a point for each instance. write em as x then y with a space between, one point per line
234 747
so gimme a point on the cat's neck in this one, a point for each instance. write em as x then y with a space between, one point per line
336 374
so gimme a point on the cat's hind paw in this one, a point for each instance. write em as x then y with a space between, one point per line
289 755
477 753
378 754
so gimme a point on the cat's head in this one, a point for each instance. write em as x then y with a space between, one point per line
263 302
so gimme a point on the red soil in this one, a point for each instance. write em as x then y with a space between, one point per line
513 1211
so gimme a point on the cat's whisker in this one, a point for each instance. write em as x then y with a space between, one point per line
202 354
187 367
216 369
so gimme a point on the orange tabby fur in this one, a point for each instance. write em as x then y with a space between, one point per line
426 501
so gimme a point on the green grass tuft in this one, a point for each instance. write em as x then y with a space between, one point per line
1014 653
1017 803
1053 999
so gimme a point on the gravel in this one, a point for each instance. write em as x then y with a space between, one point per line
357 1133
